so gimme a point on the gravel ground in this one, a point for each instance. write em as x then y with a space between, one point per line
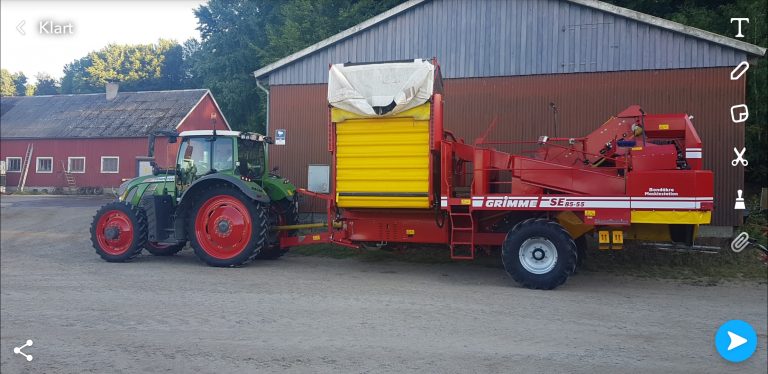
308 314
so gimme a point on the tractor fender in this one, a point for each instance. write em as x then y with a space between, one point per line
187 199
256 194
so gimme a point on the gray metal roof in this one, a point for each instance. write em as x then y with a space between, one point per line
484 38
130 114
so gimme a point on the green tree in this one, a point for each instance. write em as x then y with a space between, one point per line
46 85
138 67
7 88
239 37
19 83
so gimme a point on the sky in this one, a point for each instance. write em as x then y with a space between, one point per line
94 25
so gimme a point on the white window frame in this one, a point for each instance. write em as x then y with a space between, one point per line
69 164
37 165
8 164
110 172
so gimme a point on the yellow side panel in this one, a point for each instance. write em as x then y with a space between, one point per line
383 162
672 217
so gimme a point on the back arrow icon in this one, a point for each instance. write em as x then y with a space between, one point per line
20 26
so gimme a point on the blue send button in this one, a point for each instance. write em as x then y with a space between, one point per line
736 340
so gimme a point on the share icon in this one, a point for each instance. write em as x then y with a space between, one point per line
17 350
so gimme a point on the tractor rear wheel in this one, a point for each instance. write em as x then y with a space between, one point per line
226 228
281 212
162 249
539 254
118 232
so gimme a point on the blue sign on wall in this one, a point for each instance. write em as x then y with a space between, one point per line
280 137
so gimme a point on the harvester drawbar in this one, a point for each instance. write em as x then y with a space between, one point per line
399 177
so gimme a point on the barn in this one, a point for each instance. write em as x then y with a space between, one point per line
519 61
94 141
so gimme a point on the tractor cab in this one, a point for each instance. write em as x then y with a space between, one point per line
206 152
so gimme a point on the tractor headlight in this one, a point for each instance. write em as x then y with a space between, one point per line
122 190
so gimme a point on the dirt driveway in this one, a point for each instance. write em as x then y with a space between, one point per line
308 314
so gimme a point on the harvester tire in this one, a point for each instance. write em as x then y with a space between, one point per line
281 212
118 232
226 228
539 254
162 249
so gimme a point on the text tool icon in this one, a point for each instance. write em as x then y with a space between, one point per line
740 157
739 71
739 113
17 350
740 242
736 340
739 20
739 202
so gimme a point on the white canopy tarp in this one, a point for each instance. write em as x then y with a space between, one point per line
372 89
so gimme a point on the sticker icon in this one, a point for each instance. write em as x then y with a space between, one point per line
739 157
739 70
739 113
739 202
740 242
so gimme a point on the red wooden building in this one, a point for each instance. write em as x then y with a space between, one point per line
96 139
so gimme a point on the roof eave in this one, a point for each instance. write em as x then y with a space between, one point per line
338 37
673 26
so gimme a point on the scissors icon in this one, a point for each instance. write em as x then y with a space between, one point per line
739 157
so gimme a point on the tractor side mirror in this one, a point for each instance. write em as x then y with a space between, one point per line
172 139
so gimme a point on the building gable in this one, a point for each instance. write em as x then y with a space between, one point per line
486 38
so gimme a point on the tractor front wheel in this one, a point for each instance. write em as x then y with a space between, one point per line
539 254
226 228
118 232
281 212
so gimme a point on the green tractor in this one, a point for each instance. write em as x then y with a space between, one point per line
219 197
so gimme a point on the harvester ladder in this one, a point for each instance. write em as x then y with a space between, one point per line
68 176
25 166
462 225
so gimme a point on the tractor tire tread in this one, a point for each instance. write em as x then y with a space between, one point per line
140 230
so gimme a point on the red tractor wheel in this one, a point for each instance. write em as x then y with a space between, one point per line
162 249
226 228
118 232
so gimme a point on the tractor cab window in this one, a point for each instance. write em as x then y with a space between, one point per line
194 159
223 154
250 155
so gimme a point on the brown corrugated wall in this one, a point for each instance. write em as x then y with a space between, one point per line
521 104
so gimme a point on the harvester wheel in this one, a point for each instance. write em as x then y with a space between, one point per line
281 212
162 249
539 253
226 228
118 232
